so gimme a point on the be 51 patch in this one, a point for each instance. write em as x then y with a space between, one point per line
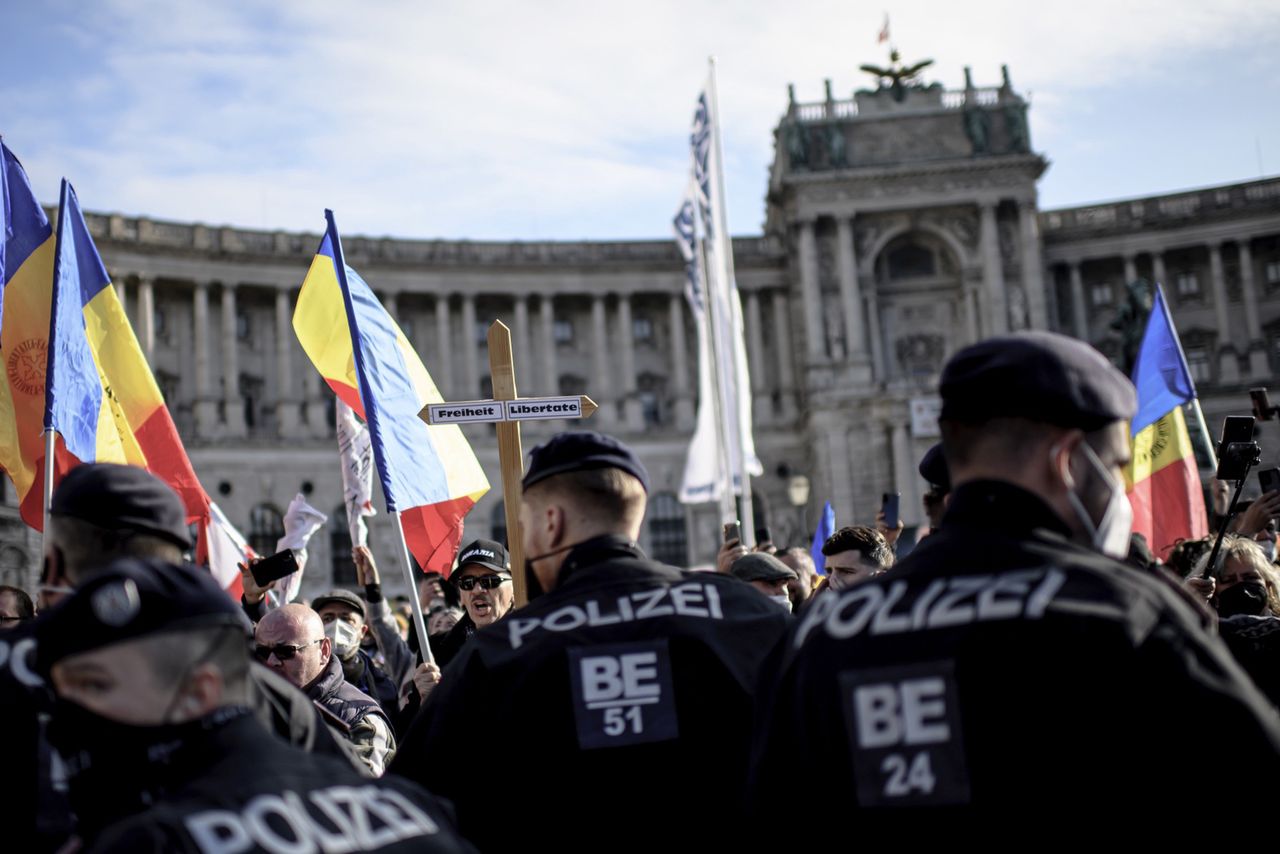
904 731
622 694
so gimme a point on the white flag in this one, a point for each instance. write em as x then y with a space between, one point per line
723 437
301 521
356 452
227 549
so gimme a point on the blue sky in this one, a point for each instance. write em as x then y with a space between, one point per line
568 120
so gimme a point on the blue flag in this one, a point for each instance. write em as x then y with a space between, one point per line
1160 372
826 527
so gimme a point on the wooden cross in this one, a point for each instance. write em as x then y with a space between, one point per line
506 410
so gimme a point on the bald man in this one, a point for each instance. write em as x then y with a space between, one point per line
291 642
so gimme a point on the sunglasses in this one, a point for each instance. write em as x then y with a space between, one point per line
487 582
283 651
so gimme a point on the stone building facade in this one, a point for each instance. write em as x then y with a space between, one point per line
901 224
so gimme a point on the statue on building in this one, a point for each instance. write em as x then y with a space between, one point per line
1019 315
837 147
1131 320
898 77
1015 122
977 126
797 142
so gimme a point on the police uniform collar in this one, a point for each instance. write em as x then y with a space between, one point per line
590 552
1001 505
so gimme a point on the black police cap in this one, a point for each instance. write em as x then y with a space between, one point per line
933 468
487 553
132 598
1042 376
122 498
759 566
582 451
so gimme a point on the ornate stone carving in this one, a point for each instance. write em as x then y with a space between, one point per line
920 353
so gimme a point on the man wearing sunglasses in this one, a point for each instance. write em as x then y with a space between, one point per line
291 642
483 579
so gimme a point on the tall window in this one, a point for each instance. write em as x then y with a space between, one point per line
243 328
344 569
266 527
642 330
651 392
1272 272
252 390
1101 295
562 330
1200 365
668 542
572 384
498 523
1188 285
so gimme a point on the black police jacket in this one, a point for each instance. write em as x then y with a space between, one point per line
1000 673
595 717
236 788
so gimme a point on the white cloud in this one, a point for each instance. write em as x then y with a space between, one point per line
526 119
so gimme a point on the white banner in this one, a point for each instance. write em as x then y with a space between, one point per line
301 521
356 452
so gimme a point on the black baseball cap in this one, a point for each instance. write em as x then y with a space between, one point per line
487 553
132 598
345 597
582 450
1038 375
759 566
122 498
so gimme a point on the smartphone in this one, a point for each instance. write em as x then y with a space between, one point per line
763 535
1236 451
889 506
732 531
1262 409
274 568
1269 480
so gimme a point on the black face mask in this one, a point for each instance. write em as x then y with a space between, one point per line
1248 597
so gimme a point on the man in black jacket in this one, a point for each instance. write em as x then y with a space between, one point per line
150 666
1010 672
624 691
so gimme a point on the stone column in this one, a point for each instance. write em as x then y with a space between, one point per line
546 314
1157 270
1032 265
761 407
601 387
1258 366
877 341
444 349
1130 267
391 302
850 298
679 362
1079 313
467 344
625 343
993 272
904 475
786 368
147 320
1228 364
287 396
233 405
206 406
815 330
520 343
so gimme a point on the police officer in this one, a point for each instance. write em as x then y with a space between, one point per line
1010 668
150 665
101 511
618 701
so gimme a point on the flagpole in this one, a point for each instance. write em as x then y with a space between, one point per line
726 262
50 443
419 624
727 511
1204 432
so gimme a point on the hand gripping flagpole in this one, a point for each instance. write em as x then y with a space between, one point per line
339 262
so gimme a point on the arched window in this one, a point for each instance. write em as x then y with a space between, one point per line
910 260
266 527
344 569
667 540
498 523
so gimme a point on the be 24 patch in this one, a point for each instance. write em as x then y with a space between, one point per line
622 694
905 735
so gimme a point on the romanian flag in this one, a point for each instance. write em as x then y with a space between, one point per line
1163 478
429 474
91 383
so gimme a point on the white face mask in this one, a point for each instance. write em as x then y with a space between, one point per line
783 600
344 637
1111 535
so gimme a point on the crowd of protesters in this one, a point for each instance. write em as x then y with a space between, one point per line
1029 663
